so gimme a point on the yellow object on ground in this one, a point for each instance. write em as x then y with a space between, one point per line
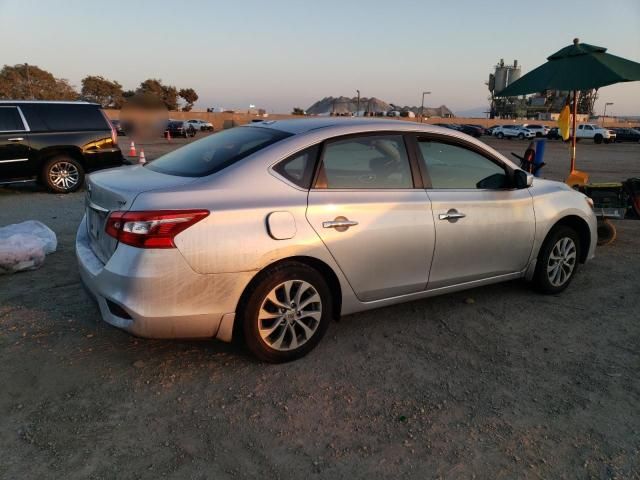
564 121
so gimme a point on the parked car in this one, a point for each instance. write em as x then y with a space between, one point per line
178 128
55 143
627 135
539 129
450 126
117 125
554 134
341 216
513 131
201 125
473 130
489 131
595 132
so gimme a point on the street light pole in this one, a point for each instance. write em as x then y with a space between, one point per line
422 106
604 115
358 106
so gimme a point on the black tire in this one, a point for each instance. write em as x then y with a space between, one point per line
521 136
541 280
500 135
598 138
252 303
62 174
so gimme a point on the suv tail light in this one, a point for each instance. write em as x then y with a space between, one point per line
152 229
114 133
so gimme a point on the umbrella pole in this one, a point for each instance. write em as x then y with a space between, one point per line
574 131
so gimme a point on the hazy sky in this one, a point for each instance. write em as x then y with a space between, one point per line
280 54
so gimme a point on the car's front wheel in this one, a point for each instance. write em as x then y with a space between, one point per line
500 135
62 174
521 136
598 138
286 312
557 260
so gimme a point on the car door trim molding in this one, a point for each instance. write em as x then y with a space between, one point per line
13 160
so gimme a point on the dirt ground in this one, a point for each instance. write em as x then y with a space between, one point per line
496 382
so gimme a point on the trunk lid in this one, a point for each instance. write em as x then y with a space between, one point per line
115 190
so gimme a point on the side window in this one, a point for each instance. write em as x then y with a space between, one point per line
72 117
375 161
10 120
453 166
298 169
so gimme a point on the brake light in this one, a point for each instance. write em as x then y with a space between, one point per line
114 133
152 229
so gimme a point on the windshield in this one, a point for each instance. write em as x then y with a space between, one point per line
216 152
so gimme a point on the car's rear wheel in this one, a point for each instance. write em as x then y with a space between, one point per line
500 135
557 260
62 174
286 312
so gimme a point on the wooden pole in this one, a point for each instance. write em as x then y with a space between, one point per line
575 131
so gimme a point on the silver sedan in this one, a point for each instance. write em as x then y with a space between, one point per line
270 230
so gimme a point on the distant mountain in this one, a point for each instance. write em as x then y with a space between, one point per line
342 105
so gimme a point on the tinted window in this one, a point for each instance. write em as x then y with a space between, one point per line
378 161
68 117
10 119
216 152
298 168
452 166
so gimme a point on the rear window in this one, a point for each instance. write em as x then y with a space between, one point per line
216 152
64 117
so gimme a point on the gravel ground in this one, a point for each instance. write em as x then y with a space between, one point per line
495 382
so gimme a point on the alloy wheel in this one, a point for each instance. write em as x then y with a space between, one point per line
64 175
289 315
562 261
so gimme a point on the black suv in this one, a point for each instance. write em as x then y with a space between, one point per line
55 143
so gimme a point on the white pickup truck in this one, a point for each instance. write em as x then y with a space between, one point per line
597 133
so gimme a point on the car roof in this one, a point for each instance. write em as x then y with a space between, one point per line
303 125
63 102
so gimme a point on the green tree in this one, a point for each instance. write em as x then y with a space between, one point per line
100 90
190 96
154 88
28 82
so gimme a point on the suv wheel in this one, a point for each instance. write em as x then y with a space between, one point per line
63 174
598 138
286 312
500 135
557 260
521 136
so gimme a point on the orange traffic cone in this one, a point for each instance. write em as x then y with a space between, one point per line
142 160
132 150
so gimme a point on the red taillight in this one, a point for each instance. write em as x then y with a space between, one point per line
153 229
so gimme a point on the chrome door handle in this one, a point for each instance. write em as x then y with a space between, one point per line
340 224
16 139
451 215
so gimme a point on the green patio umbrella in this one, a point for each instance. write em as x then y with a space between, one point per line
576 67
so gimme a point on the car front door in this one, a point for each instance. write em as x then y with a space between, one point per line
374 220
484 227
14 144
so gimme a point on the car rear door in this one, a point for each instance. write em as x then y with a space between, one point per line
484 228
14 144
372 217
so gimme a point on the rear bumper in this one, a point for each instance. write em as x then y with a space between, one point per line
155 294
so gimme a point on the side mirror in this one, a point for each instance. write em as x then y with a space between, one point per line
522 179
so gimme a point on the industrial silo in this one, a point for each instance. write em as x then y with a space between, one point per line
501 77
513 73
